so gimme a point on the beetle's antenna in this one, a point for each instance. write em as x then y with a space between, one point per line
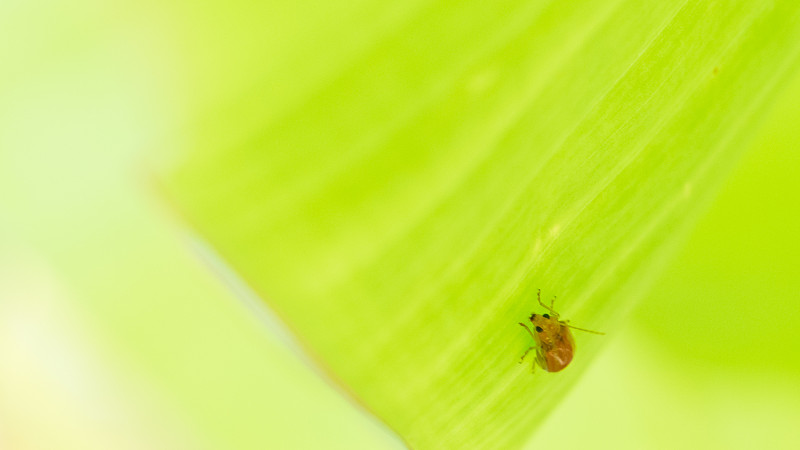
529 330
549 308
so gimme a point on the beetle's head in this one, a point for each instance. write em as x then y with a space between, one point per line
545 324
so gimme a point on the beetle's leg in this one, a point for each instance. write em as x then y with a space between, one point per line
566 324
529 348
540 360
525 354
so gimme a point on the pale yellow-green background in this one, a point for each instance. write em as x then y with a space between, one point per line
113 333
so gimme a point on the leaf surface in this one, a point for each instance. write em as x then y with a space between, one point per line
400 206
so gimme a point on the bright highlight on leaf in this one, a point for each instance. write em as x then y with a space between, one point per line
401 211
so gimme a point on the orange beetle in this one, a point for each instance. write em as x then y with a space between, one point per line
554 342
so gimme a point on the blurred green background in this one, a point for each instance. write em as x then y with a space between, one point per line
114 334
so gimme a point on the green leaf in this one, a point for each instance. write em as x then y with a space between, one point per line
400 205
